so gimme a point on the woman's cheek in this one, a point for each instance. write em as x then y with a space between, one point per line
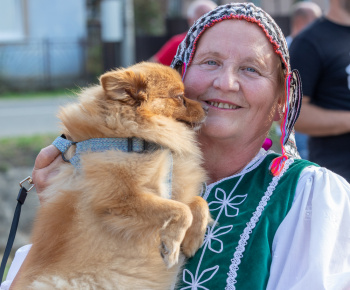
196 83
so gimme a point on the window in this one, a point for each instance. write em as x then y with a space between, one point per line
11 20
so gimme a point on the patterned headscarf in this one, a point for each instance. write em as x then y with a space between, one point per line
293 94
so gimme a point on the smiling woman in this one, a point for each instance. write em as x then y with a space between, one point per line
227 77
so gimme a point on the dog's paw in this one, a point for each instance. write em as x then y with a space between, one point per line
195 234
192 242
194 237
170 251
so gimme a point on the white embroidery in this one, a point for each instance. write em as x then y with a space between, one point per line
256 161
224 204
238 254
213 236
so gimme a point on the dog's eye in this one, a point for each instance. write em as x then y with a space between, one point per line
180 97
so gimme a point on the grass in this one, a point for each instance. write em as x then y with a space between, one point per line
8 264
39 94
22 151
7 267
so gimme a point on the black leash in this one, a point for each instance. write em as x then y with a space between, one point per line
22 195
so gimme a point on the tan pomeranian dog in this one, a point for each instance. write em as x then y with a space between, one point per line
119 219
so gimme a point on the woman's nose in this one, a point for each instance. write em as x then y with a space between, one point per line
226 80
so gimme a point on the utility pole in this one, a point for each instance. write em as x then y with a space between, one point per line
112 32
129 36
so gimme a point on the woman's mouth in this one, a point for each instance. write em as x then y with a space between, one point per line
222 105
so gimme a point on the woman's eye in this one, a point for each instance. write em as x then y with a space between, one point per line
250 69
211 62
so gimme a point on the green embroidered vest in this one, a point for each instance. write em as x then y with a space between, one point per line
247 209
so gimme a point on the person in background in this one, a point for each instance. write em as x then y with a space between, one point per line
279 222
321 53
302 15
195 10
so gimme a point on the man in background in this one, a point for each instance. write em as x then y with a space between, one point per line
321 53
195 10
302 15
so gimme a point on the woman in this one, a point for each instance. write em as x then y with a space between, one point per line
279 222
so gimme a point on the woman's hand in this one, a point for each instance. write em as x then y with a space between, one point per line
46 166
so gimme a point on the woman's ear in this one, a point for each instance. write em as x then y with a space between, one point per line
279 109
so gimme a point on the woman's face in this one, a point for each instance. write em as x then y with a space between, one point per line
234 73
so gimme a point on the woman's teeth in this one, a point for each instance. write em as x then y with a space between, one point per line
222 105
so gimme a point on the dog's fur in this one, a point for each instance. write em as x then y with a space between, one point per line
108 225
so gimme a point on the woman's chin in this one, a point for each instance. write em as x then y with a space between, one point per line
218 130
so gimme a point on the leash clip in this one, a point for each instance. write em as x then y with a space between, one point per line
30 181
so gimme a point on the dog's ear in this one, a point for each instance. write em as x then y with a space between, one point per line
125 85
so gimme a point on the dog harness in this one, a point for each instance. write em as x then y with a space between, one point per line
102 144
133 144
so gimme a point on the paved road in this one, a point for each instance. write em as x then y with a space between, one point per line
21 117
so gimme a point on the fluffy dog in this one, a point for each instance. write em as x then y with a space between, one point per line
108 224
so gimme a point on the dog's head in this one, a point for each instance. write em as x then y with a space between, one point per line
129 101
152 89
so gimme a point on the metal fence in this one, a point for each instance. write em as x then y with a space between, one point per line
46 63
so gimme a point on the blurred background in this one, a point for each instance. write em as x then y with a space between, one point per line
61 43
48 49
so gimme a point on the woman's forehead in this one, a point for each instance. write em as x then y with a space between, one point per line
230 37
245 12
235 32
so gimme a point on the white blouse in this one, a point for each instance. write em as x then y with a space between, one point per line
311 248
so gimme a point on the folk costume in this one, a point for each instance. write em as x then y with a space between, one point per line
274 232
282 222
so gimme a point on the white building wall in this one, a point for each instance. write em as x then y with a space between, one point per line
56 19
41 40
11 21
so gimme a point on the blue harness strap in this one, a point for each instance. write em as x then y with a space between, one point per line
62 144
104 144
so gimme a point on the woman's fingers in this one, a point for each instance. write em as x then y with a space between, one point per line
46 156
46 165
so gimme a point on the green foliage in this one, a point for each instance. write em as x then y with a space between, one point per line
22 151
37 94
149 18
94 64
7 267
275 137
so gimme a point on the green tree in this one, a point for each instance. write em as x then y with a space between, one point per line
149 17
